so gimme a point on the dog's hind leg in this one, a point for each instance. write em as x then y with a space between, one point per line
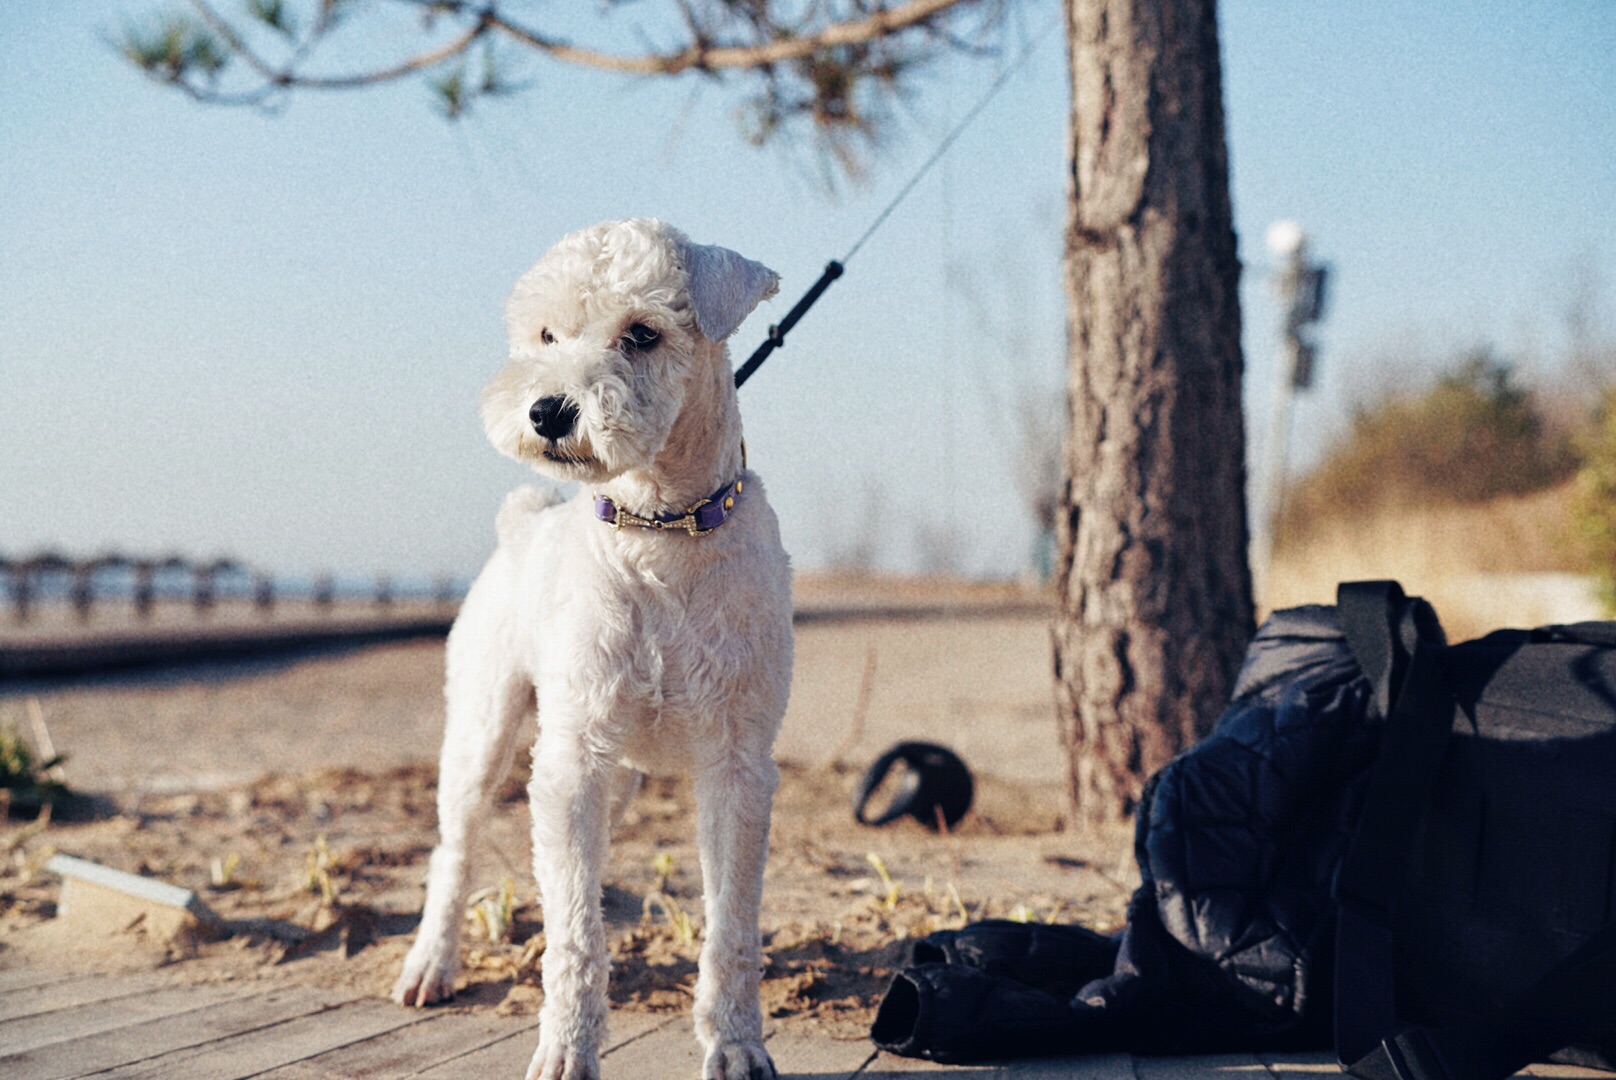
623 783
488 697
733 799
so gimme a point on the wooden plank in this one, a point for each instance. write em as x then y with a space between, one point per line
668 1051
628 1027
510 1056
71 993
1068 1067
1075 1067
632 1033
29 1033
887 1066
434 1038
507 1055
1311 1066
141 1042
1301 1066
1201 1067
254 1052
672 1051
799 1055
28 978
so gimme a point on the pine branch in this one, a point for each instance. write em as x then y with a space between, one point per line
702 56
834 66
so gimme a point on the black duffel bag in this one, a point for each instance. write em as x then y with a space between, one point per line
1424 834
1474 925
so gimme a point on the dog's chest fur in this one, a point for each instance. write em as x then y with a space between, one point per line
663 643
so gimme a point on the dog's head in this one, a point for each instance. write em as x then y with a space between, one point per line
608 335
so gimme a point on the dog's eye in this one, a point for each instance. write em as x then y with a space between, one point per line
547 337
640 338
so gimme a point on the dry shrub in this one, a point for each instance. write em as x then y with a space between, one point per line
1472 436
1506 562
1461 490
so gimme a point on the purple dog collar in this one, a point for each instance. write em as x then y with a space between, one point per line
698 520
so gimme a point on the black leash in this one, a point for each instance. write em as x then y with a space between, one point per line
833 269
777 331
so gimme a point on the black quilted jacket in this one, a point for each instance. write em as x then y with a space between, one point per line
1229 937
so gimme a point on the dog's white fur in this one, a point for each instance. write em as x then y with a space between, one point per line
644 650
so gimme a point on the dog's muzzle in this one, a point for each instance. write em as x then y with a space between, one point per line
554 417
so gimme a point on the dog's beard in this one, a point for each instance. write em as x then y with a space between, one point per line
571 458
557 456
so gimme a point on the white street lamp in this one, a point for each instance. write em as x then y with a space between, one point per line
1300 286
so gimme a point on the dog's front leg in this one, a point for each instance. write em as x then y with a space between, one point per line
570 793
733 799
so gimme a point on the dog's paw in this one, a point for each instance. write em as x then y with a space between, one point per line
553 1061
738 1061
428 977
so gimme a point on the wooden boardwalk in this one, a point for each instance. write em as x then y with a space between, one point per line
59 650
54 646
55 1026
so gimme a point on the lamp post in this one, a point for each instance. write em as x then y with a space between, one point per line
1300 286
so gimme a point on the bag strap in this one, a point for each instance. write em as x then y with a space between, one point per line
1601 634
1369 611
1551 1014
1392 639
1380 622
1385 631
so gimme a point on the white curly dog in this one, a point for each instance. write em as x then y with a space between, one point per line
648 618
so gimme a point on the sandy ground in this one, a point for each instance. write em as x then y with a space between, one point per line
313 779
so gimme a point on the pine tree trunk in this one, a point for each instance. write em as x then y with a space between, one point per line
1154 587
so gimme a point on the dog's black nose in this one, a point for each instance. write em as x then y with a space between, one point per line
553 417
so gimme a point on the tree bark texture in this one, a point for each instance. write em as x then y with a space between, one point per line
1154 605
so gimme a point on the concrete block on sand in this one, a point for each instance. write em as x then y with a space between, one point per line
99 900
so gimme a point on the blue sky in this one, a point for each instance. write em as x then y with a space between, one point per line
225 332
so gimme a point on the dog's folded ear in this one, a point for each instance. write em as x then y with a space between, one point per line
724 287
